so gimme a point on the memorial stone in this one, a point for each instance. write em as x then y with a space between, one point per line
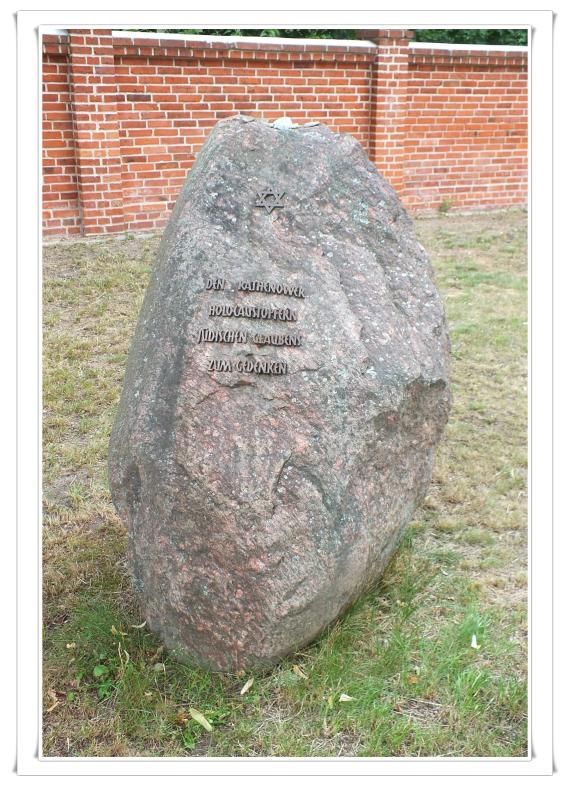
285 391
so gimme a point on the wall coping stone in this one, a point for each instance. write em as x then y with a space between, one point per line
467 47
234 42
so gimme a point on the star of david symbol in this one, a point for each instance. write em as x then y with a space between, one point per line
269 198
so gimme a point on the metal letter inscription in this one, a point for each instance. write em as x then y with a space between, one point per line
260 365
257 366
216 283
269 198
252 312
269 288
225 336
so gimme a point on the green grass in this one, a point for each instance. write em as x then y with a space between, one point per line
403 653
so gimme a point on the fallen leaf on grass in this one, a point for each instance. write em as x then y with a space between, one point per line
345 697
181 718
123 655
53 706
71 645
412 679
199 718
299 672
139 626
247 686
474 644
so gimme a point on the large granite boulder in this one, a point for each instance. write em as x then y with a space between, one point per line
285 391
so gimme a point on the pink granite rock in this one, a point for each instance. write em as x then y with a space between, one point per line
285 391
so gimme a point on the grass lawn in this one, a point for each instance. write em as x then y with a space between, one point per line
403 655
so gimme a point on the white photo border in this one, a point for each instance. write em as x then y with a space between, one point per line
29 758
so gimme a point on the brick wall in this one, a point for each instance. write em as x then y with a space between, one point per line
60 194
124 117
466 128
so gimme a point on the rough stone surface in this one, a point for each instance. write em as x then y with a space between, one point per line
260 506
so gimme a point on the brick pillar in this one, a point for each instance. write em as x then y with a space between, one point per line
389 103
96 129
